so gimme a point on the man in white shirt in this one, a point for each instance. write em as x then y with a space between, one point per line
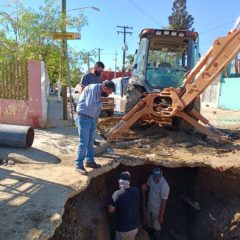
157 200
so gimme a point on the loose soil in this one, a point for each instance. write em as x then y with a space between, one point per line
203 177
203 204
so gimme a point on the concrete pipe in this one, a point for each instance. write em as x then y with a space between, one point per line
16 136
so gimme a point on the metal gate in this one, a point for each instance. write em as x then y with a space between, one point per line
14 80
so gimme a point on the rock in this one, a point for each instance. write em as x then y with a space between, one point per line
55 217
110 150
151 156
140 145
11 162
186 144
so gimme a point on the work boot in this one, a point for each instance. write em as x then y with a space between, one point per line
96 143
92 165
82 171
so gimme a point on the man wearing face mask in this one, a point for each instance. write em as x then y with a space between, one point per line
157 200
125 203
92 77
88 110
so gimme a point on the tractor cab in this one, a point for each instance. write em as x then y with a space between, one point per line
163 58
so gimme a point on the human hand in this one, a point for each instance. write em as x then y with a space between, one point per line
144 187
160 219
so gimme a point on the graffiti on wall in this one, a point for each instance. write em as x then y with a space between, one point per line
20 112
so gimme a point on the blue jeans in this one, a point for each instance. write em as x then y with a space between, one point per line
86 132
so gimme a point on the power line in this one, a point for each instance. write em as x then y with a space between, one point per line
144 13
217 27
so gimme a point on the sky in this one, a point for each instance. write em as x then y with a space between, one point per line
212 19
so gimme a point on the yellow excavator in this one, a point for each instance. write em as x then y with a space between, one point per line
177 102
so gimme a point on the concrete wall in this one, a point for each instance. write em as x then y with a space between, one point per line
229 97
211 95
33 111
223 94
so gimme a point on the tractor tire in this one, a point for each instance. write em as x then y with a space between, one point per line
182 125
134 94
110 113
74 106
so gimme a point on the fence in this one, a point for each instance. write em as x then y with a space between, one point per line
14 80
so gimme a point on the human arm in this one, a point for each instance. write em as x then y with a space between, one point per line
81 88
90 101
83 82
90 95
162 210
111 208
165 189
145 187
112 203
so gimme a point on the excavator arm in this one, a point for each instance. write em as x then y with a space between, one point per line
218 57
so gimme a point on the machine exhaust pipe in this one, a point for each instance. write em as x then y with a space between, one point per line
16 136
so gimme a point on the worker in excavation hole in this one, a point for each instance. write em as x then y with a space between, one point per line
124 202
157 200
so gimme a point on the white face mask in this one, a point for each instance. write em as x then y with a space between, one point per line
123 184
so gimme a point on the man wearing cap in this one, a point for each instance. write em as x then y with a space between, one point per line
88 110
125 203
157 200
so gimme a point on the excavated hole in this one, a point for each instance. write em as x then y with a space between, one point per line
85 216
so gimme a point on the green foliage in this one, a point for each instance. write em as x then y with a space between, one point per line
180 19
27 33
129 62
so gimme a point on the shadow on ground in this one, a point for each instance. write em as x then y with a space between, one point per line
28 155
28 203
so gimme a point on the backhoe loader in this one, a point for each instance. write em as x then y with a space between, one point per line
171 101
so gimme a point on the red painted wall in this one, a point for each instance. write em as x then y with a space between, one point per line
28 113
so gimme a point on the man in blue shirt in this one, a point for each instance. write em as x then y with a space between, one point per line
92 77
125 203
88 110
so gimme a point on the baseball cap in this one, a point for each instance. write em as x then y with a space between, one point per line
157 172
124 176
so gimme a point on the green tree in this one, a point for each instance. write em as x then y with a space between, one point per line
180 18
129 62
88 57
26 33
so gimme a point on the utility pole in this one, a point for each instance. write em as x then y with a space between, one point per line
99 53
115 64
124 50
64 61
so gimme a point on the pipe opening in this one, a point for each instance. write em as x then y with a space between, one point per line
29 137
